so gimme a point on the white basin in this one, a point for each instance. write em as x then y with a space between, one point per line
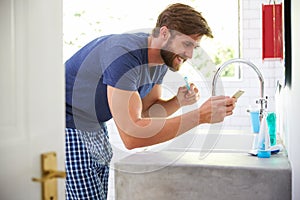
209 141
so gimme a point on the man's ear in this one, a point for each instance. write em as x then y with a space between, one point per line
164 32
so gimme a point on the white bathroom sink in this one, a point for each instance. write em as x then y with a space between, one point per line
198 140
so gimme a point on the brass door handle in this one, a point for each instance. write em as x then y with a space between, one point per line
50 175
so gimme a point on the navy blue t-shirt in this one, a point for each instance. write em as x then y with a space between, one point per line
120 61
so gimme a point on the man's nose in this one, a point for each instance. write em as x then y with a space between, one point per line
189 53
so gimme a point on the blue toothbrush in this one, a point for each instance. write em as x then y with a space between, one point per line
187 83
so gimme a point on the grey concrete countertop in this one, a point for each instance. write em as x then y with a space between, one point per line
191 175
195 159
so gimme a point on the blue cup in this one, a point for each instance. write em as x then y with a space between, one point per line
255 121
264 153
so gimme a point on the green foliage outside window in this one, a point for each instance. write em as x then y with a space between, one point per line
223 55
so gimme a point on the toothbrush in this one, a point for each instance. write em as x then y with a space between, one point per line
187 83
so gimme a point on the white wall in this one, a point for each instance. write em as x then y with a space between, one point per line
293 96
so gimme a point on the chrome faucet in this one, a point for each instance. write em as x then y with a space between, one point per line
263 100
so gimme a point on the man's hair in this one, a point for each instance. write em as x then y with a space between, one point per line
184 19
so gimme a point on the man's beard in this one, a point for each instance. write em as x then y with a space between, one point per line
168 58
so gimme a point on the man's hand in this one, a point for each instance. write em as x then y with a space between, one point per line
216 108
187 97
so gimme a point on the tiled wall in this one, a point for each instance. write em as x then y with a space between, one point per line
272 70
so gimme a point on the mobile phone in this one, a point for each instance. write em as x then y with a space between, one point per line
238 94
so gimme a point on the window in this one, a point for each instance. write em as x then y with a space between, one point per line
85 20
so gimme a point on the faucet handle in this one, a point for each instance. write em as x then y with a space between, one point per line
262 100
263 105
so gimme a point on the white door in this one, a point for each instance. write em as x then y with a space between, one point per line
31 94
